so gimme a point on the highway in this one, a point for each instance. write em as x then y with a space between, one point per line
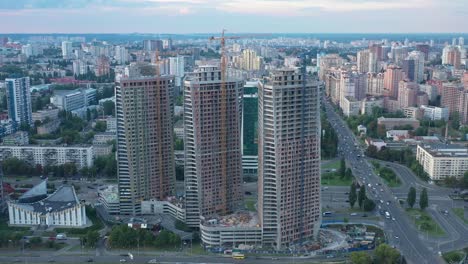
400 232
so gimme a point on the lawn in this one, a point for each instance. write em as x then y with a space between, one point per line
331 165
454 256
424 222
334 179
460 213
250 204
387 174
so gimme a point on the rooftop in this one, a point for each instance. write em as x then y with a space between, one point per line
63 198
238 219
446 150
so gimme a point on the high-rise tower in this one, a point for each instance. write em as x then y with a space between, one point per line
144 140
19 100
289 158
213 151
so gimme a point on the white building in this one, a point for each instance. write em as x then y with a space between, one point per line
121 55
441 161
171 206
350 106
74 99
81 156
231 231
80 67
67 50
60 209
435 113
109 198
177 68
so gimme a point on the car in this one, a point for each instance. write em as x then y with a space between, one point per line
353 214
388 203
153 261
123 260
90 260
393 218
445 212
248 193
364 215
51 260
396 237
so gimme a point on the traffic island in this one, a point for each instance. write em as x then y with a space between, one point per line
424 222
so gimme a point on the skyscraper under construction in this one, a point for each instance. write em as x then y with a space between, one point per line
144 140
213 154
288 158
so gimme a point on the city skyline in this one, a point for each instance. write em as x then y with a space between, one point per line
203 16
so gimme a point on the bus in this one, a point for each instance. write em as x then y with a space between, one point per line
238 255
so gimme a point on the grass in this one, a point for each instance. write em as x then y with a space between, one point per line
334 179
454 256
250 204
198 249
332 165
424 222
387 174
460 213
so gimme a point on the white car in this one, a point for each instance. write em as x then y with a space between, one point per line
153 261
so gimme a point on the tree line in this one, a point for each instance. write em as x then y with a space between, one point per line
123 236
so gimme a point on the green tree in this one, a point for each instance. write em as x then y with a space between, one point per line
384 254
342 168
348 174
352 197
100 126
361 195
411 200
91 238
88 114
368 205
465 179
35 241
109 108
423 199
360 258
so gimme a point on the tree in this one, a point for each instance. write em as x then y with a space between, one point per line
368 205
91 238
348 174
88 114
411 197
35 241
109 108
342 168
423 199
384 254
352 197
360 258
361 196
100 126
465 179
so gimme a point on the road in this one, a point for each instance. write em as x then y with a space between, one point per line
400 232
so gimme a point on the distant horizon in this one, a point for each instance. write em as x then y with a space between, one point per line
206 16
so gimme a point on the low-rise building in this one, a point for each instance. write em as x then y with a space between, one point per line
442 160
397 135
81 156
231 230
378 143
42 115
111 123
19 138
391 123
109 198
48 127
59 209
71 100
413 112
368 103
171 206
435 113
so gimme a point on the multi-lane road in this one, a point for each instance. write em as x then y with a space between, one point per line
399 228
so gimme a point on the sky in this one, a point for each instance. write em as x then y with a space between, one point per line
208 16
